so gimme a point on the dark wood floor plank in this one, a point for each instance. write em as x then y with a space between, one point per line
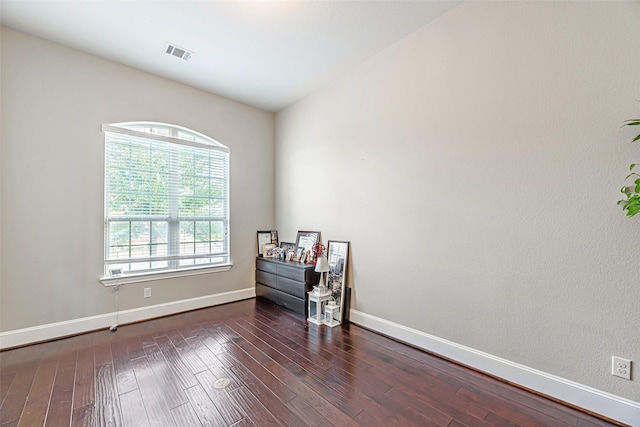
204 408
152 396
480 393
248 369
281 372
134 348
83 417
16 397
186 326
5 382
311 416
222 333
60 405
180 369
108 411
145 335
204 337
102 354
434 407
517 412
434 413
269 399
445 384
84 388
220 397
185 416
591 423
173 392
13 360
188 355
244 423
35 409
199 346
125 378
133 411
256 412
227 360
498 421
12 407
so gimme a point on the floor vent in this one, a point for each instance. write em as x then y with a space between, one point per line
222 383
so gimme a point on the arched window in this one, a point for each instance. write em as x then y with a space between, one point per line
166 199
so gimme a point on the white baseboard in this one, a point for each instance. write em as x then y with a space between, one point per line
591 399
76 326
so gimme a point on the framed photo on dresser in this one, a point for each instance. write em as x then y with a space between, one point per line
263 238
305 240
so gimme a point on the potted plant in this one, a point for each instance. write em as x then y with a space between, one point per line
631 202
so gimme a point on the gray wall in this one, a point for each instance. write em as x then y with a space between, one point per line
475 168
54 101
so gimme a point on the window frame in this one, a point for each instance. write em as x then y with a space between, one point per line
174 220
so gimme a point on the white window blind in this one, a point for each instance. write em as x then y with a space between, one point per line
166 199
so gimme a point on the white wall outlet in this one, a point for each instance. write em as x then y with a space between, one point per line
621 367
147 292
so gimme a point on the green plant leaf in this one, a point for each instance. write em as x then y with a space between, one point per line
633 209
636 138
633 165
632 206
632 122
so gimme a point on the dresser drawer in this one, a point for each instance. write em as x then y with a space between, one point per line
266 266
291 272
290 302
267 278
267 292
291 287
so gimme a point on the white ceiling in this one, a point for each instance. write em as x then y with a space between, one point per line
266 53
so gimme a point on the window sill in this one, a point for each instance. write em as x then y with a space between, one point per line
147 277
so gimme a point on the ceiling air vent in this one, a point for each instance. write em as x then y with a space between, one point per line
178 52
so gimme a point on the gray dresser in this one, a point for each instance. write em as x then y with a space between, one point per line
285 283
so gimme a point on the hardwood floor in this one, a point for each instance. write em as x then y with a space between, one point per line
167 372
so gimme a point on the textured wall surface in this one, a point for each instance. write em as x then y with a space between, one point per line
54 101
474 166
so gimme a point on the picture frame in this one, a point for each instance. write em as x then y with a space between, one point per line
288 247
306 240
268 250
274 237
263 237
338 257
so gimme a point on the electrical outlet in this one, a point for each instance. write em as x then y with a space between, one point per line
147 292
621 367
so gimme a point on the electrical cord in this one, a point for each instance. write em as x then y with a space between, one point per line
114 327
